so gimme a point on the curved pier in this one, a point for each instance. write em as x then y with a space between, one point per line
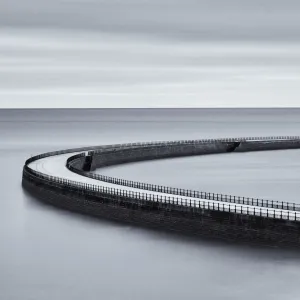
62 178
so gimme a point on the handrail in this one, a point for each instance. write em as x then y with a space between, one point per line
184 192
180 203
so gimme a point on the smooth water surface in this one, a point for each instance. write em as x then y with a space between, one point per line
48 254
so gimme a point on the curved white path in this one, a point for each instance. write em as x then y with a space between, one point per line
56 166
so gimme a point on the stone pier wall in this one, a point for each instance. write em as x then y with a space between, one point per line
221 225
129 208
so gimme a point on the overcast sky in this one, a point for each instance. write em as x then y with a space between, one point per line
166 53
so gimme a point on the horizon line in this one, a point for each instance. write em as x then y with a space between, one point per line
189 107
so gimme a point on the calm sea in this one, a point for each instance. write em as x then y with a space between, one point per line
48 254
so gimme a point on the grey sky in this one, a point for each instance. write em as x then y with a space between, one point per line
73 53
182 19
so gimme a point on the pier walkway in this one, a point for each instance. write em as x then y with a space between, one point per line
56 166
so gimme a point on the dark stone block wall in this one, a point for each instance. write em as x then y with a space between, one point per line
267 145
187 220
120 155
222 225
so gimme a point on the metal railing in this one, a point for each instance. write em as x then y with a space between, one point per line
190 193
159 202
184 192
